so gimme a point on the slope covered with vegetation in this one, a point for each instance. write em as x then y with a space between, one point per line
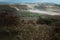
47 27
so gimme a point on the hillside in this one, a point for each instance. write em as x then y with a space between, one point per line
38 22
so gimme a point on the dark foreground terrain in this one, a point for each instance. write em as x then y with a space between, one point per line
30 30
13 28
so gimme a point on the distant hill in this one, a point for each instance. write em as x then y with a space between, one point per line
42 6
24 7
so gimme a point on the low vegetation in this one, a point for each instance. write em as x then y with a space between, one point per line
42 29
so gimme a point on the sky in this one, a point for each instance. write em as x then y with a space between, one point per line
32 1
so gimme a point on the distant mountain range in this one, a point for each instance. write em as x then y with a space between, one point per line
42 6
33 9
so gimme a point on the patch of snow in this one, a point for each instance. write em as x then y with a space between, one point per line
43 12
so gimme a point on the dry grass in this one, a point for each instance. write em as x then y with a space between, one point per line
29 32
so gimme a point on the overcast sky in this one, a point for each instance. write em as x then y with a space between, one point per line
32 1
